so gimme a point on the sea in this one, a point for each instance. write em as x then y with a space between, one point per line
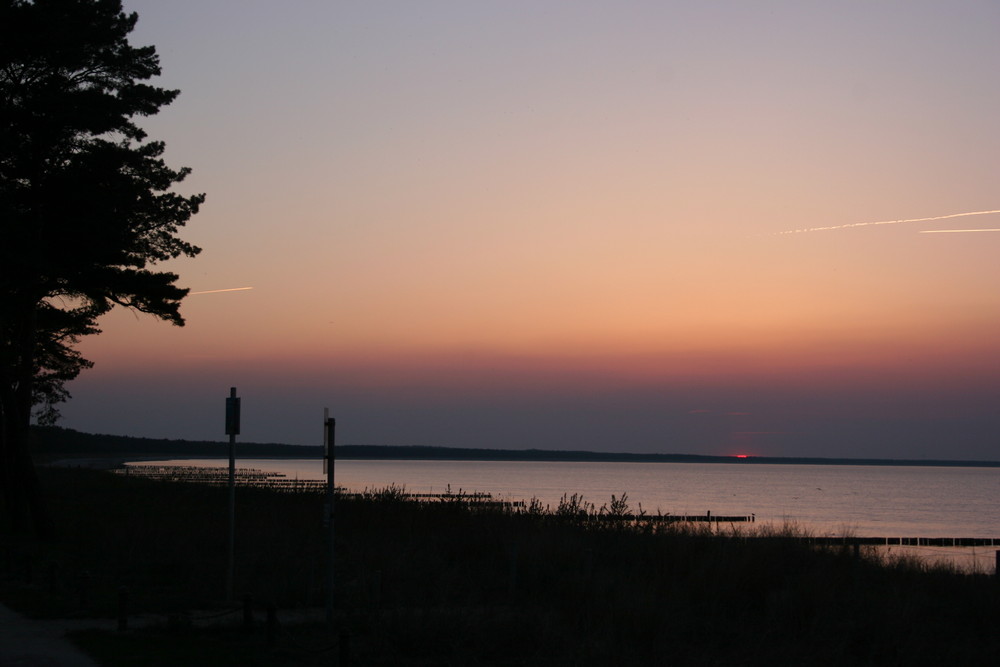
823 500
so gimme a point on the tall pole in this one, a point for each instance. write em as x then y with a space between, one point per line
329 428
232 429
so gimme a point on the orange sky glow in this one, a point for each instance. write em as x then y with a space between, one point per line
590 232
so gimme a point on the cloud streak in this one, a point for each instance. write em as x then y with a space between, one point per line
888 222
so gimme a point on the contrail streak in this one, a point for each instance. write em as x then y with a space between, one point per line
213 291
955 231
888 222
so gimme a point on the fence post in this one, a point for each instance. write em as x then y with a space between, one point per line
122 608
512 581
232 430
376 590
344 649
272 623
329 459
247 611
84 589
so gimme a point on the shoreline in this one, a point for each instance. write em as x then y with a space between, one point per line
54 443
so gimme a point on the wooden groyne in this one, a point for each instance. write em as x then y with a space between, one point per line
477 499
898 541
707 517
244 477
254 478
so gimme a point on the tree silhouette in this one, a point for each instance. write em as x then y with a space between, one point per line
86 205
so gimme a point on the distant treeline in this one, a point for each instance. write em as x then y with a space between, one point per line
53 441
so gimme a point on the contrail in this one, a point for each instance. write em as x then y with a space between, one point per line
955 231
213 291
888 222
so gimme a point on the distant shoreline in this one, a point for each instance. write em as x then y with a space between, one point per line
58 444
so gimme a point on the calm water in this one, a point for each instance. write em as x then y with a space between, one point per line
882 501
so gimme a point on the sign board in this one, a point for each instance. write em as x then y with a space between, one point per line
232 416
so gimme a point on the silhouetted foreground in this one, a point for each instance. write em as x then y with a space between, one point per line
458 583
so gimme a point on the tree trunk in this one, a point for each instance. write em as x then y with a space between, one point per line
22 495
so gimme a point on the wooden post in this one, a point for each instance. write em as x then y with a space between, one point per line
329 431
122 608
247 612
84 589
996 571
272 623
512 582
376 589
344 649
232 429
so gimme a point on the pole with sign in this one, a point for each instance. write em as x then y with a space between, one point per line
232 430
329 428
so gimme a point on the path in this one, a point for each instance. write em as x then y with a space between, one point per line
26 642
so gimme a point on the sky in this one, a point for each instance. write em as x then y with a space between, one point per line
627 226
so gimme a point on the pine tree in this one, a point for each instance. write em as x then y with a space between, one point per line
86 207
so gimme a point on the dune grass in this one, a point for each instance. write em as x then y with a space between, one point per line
456 583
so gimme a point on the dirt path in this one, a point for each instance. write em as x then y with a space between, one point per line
26 642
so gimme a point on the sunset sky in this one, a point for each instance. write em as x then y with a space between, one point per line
561 225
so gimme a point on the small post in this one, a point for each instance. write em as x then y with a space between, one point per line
376 590
329 431
512 575
247 612
84 589
996 571
232 430
122 609
344 648
272 623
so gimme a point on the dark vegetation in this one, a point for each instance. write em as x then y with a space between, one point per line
457 583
